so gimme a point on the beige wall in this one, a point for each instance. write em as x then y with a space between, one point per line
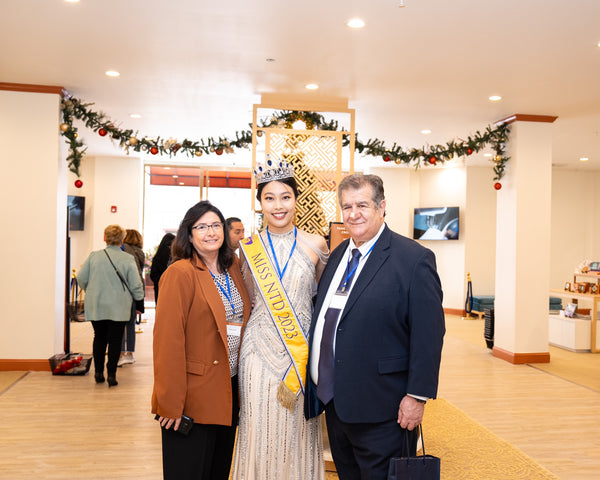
107 181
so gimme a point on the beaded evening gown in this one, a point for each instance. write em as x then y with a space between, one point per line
273 442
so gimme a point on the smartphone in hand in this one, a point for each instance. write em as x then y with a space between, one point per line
185 425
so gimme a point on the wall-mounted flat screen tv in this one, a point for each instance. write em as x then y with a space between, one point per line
76 207
436 223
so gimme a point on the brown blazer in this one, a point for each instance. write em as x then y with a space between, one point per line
191 363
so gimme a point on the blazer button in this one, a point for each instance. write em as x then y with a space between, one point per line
216 362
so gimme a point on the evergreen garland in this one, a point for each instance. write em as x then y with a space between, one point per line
73 108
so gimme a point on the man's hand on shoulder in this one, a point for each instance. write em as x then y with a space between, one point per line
410 413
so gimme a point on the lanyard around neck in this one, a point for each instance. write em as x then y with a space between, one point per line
349 272
282 273
226 293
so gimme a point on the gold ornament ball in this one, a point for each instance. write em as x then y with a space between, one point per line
133 141
76 135
259 133
198 153
498 158
64 127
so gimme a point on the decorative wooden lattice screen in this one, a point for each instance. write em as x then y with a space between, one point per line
317 159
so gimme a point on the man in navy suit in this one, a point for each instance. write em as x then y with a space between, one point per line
375 339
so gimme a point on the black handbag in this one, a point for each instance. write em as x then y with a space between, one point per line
424 467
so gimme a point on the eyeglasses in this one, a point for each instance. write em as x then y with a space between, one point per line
203 227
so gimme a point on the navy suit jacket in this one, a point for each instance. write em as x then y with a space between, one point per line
390 334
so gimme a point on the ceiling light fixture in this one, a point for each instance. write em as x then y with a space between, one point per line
487 154
72 1
583 159
495 98
135 115
426 131
355 23
401 4
311 86
112 73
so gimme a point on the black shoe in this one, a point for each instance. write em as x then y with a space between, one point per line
99 377
112 381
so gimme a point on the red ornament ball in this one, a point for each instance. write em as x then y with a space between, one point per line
219 151
78 183
469 151
386 158
432 160
102 132
497 185
154 150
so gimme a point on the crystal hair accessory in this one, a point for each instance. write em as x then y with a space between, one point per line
271 171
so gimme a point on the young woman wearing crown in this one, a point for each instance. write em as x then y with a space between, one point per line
274 440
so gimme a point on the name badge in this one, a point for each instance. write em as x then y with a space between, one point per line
338 301
234 330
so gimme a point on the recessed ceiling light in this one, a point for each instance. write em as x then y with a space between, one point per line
355 23
135 115
598 44
175 176
487 154
311 86
72 1
426 131
112 73
583 159
495 98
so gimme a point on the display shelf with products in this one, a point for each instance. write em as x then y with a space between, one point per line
576 297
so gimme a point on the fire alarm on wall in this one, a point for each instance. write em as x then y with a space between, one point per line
113 209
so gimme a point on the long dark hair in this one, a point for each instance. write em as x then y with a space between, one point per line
290 182
182 246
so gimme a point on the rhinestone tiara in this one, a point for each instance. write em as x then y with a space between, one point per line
273 170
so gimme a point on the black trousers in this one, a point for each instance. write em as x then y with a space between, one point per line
205 453
107 333
362 451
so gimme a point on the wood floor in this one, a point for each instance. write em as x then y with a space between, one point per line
54 427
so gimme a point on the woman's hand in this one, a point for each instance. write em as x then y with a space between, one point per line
166 423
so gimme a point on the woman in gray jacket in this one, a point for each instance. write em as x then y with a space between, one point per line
110 279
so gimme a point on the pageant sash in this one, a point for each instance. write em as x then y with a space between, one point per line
283 317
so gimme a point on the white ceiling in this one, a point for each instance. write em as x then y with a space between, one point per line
194 68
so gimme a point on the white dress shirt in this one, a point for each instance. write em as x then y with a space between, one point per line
338 301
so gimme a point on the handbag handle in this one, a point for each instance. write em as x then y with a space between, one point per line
420 427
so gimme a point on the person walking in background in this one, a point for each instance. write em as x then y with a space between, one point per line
274 440
160 261
376 337
133 245
199 323
235 232
111 283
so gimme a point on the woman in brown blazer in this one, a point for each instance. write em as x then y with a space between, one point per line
203 309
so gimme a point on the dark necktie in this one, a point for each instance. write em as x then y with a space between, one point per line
326 357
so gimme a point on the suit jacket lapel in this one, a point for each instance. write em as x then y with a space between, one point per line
326 278
374 261
213 298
